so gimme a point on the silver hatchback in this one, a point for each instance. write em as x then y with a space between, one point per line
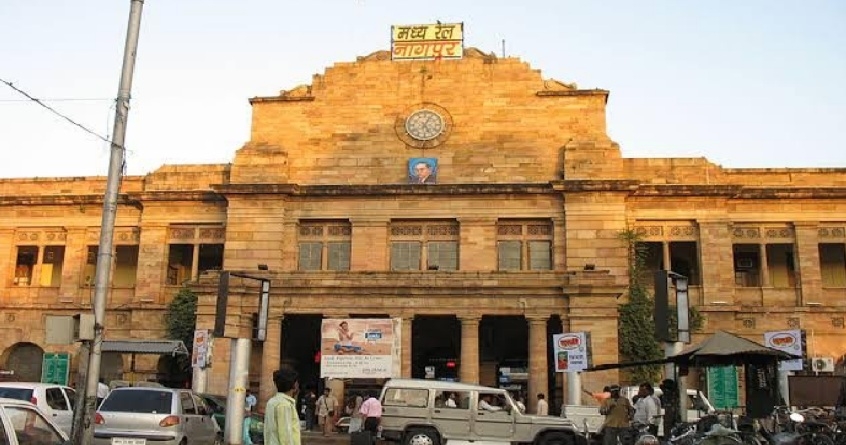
160 416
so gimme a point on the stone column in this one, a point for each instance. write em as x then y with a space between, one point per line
808 263
469 370
665 252
765 267
538 363
407 332
271 356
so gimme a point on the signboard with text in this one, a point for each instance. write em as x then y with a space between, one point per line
723 387
359 348
55 368
572 351
789 341
427 42
200 353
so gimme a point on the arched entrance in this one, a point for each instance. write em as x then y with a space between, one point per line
111 366
25 360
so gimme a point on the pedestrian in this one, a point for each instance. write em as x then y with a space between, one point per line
326 406
518 399
371 411
250 401
543 406
246 438
357 419
309 406
102 391
281 422
647 408
617 411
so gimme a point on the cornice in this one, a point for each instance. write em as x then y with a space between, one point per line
383 189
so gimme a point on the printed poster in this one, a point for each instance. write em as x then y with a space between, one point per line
572 351
200 352
789 341
359 348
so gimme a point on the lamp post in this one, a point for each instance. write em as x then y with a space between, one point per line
673 344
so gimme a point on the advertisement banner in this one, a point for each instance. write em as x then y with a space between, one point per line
200 350
427 42
789 341
359 348
572 351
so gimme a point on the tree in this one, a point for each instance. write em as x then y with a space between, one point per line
636 329
181 321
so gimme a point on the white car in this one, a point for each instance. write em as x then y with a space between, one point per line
24 424
55 401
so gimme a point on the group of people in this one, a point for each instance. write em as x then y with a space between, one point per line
282 419
644 409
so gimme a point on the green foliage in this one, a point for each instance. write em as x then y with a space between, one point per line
181 320
636 329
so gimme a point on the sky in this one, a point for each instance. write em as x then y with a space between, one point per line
746 84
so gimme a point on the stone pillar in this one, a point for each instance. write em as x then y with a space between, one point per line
765 267
538 363
478 240
407 332
807 261
469 370
76 250
270 358
7 262
152 263
366 234
715 246
665 252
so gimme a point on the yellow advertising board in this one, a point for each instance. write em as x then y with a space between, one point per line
427 42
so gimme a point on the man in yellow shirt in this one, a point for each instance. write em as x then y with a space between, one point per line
281 421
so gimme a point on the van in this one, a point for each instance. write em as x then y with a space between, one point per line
430 412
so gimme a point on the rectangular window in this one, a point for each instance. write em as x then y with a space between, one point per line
442 255
426 245
684 260
339 256
833 264
51 266
747 265
524 245
781 265
180 263
311 257
325 245
210 258
25 263
126 266
540 255
405 256
510 255
409 397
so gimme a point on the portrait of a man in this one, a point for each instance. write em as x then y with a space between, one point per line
423 171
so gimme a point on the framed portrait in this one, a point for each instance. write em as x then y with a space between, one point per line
423 171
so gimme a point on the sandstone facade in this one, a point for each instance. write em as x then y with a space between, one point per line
524 166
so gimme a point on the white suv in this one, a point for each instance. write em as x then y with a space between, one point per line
55 401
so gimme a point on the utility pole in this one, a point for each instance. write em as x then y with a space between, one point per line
102 277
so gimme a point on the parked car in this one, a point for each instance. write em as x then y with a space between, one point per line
24 424
429 412
217 405
164 416
55 401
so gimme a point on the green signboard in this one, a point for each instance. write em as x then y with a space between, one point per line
722 387
55 368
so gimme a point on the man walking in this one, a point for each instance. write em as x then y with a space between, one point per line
326 406
647 408
371 410
281 422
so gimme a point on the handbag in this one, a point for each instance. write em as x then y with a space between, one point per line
330 412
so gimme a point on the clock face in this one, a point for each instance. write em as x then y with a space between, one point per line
424 125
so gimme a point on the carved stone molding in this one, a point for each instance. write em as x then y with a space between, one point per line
838 322
794 323
778 232
749 323
746 232
831 232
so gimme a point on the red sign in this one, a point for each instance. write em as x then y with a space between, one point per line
569 342
783 340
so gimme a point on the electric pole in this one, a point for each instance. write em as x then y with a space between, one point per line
102 277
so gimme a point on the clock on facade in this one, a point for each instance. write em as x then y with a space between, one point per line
424 125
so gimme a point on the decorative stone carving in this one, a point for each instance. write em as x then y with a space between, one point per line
340 230
649 230
557 85
838 322
794 323
746 232
779 232
539 229
182 233
831 232
749 323
442 230
682 231
406 230
216 233
509 229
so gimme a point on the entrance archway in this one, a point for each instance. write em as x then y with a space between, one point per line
25 360
435 347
